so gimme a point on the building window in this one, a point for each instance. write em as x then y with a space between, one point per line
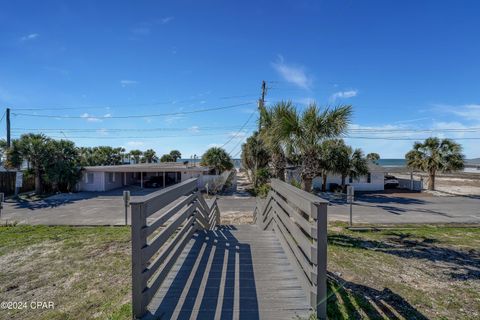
89 178
350 179
369 178
111 177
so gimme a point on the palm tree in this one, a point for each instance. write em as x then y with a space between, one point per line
255 156
217 159
268 118
167 158
303 133
350 163
136 154
373 156
435 155
328 159
33 149
149 155
175 155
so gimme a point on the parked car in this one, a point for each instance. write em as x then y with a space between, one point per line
390 181
153 182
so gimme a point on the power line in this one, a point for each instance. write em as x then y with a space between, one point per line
4 113
406 139
190 129
126 105
137 137
133 116
235 135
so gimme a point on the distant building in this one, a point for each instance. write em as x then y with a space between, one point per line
373 181
104 178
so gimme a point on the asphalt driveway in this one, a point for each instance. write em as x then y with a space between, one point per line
402 207
106 208
82 208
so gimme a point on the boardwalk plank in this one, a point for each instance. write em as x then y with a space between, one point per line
236 272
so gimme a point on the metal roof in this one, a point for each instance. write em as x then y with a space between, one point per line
147 167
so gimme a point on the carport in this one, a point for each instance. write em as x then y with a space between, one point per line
104 178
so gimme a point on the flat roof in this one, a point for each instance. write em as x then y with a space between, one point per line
147 167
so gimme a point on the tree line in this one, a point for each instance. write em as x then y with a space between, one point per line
56 164
310 140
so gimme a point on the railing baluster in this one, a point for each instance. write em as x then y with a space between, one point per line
300 221
168 243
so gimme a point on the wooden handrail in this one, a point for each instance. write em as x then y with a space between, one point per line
157 243
299 220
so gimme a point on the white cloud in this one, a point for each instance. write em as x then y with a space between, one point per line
128 83
30 36
141 31
292 73
344 94
194 129
166 20
468 111
90 118
107 115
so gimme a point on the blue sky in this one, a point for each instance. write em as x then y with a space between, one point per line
404 66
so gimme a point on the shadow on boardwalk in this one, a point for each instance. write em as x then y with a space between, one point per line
191 296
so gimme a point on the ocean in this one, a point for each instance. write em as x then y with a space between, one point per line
392 162
382 162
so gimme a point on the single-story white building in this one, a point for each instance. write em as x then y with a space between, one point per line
104 178
373 181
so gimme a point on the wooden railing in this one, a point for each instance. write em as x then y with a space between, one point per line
175 214
300 222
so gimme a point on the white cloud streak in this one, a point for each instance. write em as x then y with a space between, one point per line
30 36
292 73
344 94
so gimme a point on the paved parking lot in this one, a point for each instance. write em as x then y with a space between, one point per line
83 208
404 207
106 208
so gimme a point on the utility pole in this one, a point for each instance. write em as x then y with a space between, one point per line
261 103
8 127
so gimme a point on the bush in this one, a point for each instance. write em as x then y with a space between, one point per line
262 190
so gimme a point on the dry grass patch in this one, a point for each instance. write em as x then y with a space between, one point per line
84 271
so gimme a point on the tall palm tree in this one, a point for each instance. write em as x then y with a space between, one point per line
435 155
374 157
136 154
328 157
350 163
175 155
149 155
33 149
278 160
303 133
255 156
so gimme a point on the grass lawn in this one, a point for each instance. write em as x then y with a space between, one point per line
422 272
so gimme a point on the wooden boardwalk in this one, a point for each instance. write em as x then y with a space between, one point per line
233 272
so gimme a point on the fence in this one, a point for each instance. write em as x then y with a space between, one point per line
414 185
157 244
7 182
300 222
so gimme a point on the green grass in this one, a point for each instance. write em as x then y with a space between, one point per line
85 271
411 272
403 272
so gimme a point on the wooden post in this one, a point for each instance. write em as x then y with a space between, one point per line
141 179
320 211
163 179
125 178
138 221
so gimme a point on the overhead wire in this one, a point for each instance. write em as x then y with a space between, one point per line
132 116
